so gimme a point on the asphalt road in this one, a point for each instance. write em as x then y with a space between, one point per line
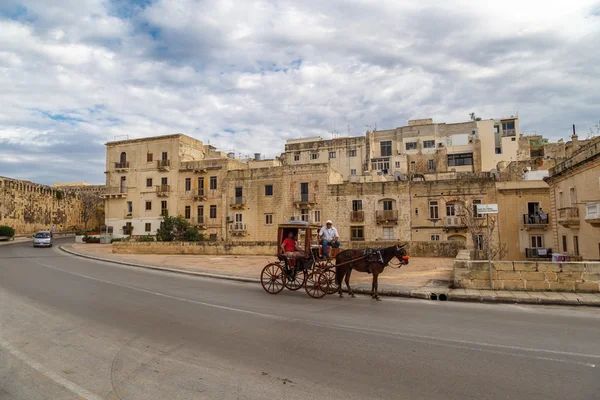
74 328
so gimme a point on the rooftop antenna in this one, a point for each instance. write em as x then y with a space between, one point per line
118 136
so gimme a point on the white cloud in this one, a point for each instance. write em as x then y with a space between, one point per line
247 75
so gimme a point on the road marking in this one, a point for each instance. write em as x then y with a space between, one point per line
67 384
456 343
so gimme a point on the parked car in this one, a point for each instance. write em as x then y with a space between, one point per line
42 239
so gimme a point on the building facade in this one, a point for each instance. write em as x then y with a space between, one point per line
575 201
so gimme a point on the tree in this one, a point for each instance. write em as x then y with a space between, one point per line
177 229
482 229
474 117
92 206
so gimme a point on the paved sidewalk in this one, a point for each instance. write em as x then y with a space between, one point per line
422 278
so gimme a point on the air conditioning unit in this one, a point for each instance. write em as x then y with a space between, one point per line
440 144
228 219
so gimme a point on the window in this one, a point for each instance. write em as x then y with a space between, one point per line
213 183
386 148
496 129
123 184
356 205
380 165
213 211
352 172
317 215
417 212
561 200
537 242
431 165
435 238
165 156
433 209
297 156
314 156
572 197
411 146
163 207
332 154
201 184
200 211
239 217
576 245
148 182
513 139
450 209
413 166
304 214
268 190
455 160
388 233
239 195
475 213
388 205
164 180
188 212
357 233
148 206
188 184
123 158
304 191
148 227
352 153
129 208
498 150
564 243
213 237
397 164
479 240
508 125
268 219
429 144
149 158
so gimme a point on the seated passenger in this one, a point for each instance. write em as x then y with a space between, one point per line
290 248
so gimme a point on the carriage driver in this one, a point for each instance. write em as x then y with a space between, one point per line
290 248
329 237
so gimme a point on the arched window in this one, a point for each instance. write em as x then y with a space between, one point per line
123 159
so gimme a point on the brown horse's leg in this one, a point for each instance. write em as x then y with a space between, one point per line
348 283
340 272
376 283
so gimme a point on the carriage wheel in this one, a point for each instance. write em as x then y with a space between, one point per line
331 284
295 281
316 284
272 278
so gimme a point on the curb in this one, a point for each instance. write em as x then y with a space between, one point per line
421 293
157 268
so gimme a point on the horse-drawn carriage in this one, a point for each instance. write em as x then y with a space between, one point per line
318 275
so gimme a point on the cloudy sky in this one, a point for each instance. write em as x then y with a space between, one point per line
246 74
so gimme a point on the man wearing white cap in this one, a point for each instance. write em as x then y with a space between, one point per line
329 237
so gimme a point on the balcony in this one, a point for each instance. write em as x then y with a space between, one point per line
568 216
538 253
115 193
531 221
163 190
357 216
454 221
305 200
128 215
238 202
163 165
387 216
122 166
200 195
509 132
238 228
592 213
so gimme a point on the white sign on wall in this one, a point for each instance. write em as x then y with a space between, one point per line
487 208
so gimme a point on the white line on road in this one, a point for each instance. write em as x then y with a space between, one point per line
486 347
73 387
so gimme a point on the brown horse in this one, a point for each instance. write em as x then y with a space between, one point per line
373 260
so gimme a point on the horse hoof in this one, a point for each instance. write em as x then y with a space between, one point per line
352 295
378 298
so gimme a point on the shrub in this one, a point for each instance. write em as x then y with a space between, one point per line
145 238
91 239
114 240
192 235
7 231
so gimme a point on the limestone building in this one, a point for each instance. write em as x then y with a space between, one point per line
575 201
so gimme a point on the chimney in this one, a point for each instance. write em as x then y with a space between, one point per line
574 140
257 156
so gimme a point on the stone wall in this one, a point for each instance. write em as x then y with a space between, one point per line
28 206
524 275
415 249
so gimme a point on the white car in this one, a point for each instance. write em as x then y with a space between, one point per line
42 239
